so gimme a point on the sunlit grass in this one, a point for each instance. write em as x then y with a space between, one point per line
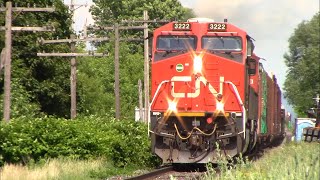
290 161
53 169
66 169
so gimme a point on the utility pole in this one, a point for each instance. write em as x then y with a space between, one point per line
73 80
116 70
7 62
140 101
8 47
117 40
73 62
116 28
146 68
145 22
73 76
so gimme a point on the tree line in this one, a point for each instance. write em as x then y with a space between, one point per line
41 86
302 82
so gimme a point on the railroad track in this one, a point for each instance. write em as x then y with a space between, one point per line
153 174
172 172
187 172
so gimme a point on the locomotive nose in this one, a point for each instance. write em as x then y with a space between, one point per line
197 64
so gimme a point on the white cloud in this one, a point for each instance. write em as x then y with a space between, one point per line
269 22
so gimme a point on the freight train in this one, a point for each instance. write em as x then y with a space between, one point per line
210 93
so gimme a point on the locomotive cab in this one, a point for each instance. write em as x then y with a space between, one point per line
201 91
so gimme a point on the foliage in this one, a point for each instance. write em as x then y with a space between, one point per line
122 142
21 102
96 83
303 77
109 11
45 79
189 13
96 76
290 161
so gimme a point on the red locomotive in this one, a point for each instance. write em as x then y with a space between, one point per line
208 91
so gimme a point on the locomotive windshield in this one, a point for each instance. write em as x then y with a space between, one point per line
176 43
222 43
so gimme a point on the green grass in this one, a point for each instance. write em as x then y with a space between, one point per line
290 161
300 161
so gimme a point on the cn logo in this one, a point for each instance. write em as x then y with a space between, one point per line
195 94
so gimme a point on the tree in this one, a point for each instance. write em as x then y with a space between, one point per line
110 11
303 60
45 81
96 76
189 13
96 83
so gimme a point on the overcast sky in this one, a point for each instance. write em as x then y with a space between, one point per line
269 22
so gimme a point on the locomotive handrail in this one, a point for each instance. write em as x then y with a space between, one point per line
176 33
235 90
195 128
217 33
154 97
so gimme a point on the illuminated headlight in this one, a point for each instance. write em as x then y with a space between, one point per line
219 106
172 106
197 64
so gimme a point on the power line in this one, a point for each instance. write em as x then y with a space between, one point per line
116 28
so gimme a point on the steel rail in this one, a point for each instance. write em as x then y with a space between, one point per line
152 174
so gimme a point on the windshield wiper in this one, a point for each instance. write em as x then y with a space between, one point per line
172 51
211 51
230 54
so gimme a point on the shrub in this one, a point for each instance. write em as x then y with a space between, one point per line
124 142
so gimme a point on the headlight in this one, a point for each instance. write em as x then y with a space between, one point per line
197 64
219 106
172 106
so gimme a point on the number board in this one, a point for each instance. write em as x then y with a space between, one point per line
181 26
217 27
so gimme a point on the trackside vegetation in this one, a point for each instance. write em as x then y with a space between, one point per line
32 141
290 161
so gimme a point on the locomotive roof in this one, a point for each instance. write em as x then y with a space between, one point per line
200 20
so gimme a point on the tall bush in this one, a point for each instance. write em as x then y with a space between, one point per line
122 142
